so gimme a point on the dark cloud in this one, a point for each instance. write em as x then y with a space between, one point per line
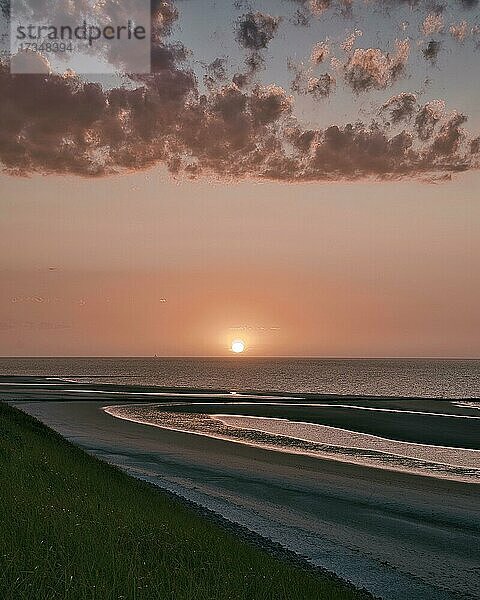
254 62
268 104
301 18
56 124
254 33
432 50
428 117
164 57
305 83
242 79
256 30
400 107
450 136
27 61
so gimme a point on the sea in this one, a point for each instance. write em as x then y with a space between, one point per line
432 378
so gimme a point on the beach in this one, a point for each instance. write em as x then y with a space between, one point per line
397 534
76 527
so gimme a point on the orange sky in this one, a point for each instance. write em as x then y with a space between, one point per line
141 265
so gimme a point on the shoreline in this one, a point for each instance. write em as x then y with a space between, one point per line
391 533
212 425
350 521
133 551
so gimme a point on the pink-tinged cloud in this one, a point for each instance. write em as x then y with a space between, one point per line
55 124
433 23
373 69
320 52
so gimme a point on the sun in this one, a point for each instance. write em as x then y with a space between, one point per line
237 346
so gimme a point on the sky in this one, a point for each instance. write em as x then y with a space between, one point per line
299 175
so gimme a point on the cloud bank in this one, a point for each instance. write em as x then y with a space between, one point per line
234 127
58 124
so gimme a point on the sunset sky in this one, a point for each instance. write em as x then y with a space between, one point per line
300 175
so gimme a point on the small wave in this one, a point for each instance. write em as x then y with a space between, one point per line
467 404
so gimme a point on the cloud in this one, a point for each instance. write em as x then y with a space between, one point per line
305 83
267 104
373 69
161 13
432 50
58 124
459 31
427 118
164 56
475 145
164 14
256 30
301 18
318 7
5 8
400 107
216 72
349 42
237 128
254 62
320 52
450 136
433 23
322 86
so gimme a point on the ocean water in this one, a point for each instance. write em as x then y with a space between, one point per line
384 377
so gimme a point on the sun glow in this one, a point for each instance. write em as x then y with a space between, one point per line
237 346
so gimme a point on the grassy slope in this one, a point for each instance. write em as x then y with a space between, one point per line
73 527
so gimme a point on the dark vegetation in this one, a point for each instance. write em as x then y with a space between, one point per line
73 527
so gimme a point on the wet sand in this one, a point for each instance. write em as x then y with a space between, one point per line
401 536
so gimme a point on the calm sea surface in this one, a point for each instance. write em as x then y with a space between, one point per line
392 377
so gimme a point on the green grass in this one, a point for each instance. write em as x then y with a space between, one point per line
73 527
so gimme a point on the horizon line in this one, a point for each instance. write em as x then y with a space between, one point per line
241 357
